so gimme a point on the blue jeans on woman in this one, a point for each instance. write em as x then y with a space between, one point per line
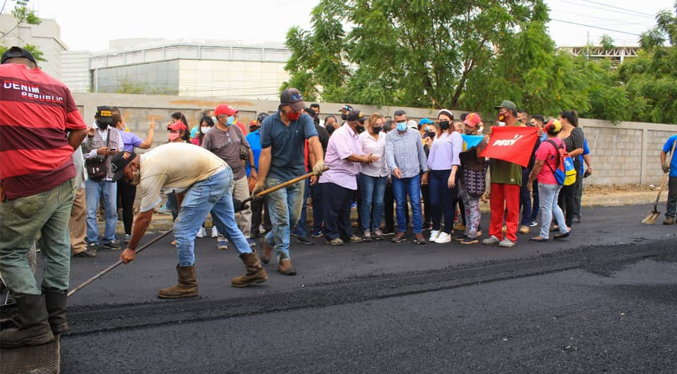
548 194
215 195
372 190
442 200
402 188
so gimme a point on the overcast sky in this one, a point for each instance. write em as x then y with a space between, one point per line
89 25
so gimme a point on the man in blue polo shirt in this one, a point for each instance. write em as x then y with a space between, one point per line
669 147
283 137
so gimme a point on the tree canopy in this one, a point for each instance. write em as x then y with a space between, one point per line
23 14
458 54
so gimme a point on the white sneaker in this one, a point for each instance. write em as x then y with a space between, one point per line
506 243
434 234
215 232
442 238
201 233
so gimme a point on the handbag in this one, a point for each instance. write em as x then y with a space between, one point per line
96 167
475 181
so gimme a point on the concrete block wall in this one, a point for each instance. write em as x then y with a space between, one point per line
625 153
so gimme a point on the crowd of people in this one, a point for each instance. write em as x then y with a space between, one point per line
401 175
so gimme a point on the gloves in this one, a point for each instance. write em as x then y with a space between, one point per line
666 168
318 169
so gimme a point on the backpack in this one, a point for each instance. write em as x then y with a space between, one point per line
565 173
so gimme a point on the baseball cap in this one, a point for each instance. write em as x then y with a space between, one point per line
178 125
17 52
425 121
507 104
293 98
224 109
104 114
553 126
118 163
355 115
472 119
345 108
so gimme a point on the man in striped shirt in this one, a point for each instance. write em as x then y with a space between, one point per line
40 126
406 159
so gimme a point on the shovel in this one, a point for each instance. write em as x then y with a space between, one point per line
653 216
275 188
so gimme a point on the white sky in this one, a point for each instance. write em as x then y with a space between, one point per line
90 24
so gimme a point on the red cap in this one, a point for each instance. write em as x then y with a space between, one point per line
177 126
224 109
472 119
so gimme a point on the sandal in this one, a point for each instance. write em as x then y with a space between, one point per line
562 236
538 239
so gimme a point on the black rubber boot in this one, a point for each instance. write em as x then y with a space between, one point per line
56 308
32 324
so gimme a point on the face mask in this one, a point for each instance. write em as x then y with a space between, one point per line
344 116
401 126
230 120
501 118
360 128
136 177
173 136
253 128
444 125
377 129
501 124
102 126
470 131
205 129
293 116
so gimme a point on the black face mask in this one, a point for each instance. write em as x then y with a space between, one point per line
360 128
444 125
430 134
344 116
102 126
377 129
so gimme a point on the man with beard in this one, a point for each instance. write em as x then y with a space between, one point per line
203 183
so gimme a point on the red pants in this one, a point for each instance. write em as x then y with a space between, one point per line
504 196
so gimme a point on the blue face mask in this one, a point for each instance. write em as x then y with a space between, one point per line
401 126
230 120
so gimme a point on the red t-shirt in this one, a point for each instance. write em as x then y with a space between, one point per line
36 112
548 153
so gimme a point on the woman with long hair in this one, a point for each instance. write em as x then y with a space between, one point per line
206 124
574 140
443 162
473 181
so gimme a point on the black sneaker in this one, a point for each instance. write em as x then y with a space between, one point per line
304 240
113 244
87 253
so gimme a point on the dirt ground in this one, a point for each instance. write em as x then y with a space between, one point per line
612 188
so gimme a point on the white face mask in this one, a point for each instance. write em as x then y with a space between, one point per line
205 129
501 124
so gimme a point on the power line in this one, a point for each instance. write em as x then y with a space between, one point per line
595 27
617 7
568 2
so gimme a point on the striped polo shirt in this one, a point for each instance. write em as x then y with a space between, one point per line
36 112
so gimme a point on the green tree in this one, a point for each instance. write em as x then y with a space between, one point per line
401 52
651 79
23 15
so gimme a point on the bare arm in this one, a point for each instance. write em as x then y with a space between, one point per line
141 224
149 139
76 137
264 165
534 172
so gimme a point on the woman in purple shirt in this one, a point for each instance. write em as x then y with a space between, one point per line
443 162
127 192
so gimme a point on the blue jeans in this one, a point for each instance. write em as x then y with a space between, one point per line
442 200
548 195
402 188
372 190
215 195
525 198
94 190
284 206
300 228
671 206
536 205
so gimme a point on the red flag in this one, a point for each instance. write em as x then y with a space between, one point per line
511 143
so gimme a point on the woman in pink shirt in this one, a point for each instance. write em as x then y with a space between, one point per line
547 157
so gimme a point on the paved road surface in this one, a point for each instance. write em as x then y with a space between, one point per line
603 301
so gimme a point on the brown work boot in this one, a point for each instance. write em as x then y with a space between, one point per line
399 237
31 320
669 221
266 251
255 273
186 287
285 267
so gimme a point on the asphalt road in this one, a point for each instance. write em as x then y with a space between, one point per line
605 300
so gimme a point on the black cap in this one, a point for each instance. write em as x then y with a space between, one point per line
16 52
293 98
356 115
104 114
118 163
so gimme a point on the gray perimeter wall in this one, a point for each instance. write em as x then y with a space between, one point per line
626 153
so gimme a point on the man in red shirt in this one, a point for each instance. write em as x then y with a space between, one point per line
40 128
